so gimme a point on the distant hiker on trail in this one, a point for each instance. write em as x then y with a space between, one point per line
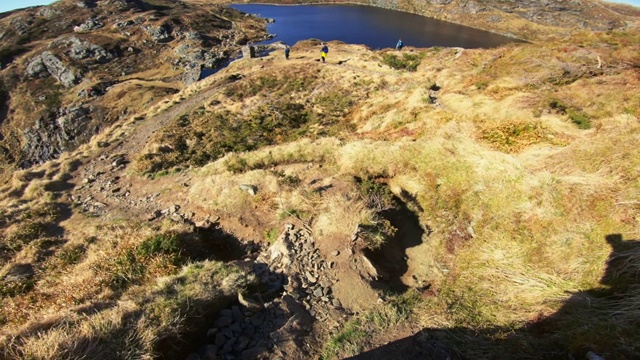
287 50
324 51
399 45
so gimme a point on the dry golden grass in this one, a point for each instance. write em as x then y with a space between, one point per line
518 197
106 305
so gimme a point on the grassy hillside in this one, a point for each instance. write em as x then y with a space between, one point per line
473 203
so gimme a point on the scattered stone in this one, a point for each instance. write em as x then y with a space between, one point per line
237 314
253 353
335 253
208 352
310 278
220 339
177 218
249 303
156 214
160 34
242 343
251 189
120 160
222 322
89 25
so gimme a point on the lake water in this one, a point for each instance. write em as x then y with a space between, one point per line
374 27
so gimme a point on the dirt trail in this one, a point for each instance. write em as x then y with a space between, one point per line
142 132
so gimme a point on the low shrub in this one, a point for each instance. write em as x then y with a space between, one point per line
408 62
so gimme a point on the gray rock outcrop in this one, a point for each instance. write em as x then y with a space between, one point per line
81 50
48 12
89 25
160 34
50 137
47 63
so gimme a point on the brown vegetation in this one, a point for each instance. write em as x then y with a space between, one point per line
512 169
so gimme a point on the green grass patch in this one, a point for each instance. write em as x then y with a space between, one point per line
578 117
511 137
16 288
271 235
408 61
353 338
155 256
72 255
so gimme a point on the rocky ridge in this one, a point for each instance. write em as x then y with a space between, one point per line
72 55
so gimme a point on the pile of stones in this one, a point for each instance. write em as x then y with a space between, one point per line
296 291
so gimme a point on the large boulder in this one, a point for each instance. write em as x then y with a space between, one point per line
89 25
160 34
49 63
52 136
36 68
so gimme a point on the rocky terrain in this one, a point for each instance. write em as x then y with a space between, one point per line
66 67
424 204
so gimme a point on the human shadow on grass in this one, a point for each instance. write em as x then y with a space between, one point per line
600 323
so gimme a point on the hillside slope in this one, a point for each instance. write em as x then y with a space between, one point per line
71 69
430 203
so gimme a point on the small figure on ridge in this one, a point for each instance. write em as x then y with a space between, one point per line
399 45
324 51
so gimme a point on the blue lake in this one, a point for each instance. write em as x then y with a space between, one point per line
374 27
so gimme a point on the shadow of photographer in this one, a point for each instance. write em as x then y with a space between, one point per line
599 323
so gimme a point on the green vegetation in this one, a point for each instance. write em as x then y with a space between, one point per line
355 334
376 230
577 117
376 194
72 255
408 61
291 181
34 224
271 235
512 137
132 264
15 288
205 137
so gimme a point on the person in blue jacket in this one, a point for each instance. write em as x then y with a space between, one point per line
287 50
399 45
324 51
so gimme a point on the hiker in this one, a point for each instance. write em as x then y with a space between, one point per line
287 50
324 51
399 45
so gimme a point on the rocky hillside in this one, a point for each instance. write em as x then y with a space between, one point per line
71 69
435 203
